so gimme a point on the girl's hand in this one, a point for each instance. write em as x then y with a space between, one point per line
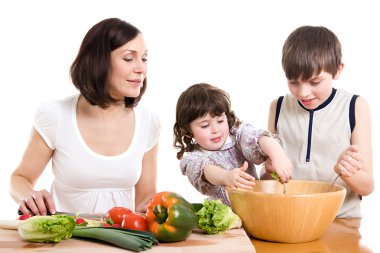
349 162
238 178
38 203
281 165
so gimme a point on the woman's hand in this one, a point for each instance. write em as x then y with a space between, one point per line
238 178
349 162
38 203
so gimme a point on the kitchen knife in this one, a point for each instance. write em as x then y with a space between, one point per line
96 216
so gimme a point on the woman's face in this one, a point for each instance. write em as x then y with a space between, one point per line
128 68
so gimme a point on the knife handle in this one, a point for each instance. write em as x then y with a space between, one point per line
21 213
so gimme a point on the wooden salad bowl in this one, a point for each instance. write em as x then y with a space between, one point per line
301 214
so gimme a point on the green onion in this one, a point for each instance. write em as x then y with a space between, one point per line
125 238
276 177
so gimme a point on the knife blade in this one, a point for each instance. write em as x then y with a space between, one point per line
96 216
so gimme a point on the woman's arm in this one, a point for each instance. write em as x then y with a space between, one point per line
23 179
355 162
146 187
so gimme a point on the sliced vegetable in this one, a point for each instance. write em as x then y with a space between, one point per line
124 238
24 216
47 228
80 221
216 217
93 223
170 217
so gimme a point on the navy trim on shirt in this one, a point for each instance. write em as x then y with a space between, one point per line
352 112
278 108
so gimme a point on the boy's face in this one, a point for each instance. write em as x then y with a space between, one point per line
210 132
314 91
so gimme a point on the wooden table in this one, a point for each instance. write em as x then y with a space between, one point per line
343 236
235 240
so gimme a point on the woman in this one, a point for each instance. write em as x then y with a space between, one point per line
103 147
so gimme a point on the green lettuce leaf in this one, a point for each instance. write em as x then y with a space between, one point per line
47 228
215 217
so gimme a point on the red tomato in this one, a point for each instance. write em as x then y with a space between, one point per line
134 221
116 214
24 216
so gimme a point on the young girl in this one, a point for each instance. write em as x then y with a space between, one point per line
326 132
216 149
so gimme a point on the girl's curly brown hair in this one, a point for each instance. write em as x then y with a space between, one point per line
195 102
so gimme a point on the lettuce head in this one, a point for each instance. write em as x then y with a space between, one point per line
215 217
52 228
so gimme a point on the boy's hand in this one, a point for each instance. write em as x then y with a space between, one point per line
349 162
238 178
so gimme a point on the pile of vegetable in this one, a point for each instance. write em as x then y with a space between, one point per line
216 217
121 227
169 218
55 228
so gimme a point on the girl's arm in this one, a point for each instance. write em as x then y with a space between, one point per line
265 174
145 188
279 161
36 156
232 178
355 163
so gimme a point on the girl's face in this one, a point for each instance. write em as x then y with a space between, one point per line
210 132
314 91
128 69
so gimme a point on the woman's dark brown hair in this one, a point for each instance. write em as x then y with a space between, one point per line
90 70
310 49
195 102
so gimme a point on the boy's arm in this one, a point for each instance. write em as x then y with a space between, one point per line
357 159
271 117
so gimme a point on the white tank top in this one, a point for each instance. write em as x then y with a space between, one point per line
313 140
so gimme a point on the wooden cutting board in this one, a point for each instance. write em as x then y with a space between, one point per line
235 240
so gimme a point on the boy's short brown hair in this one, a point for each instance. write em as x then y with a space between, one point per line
309 50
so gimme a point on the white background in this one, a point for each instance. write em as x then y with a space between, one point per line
235 45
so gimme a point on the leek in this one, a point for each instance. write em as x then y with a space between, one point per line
125 238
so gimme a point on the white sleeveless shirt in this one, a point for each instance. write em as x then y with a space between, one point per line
87 182
314 139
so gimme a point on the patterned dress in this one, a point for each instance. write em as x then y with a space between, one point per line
242 145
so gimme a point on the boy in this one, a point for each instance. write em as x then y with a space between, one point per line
325 131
